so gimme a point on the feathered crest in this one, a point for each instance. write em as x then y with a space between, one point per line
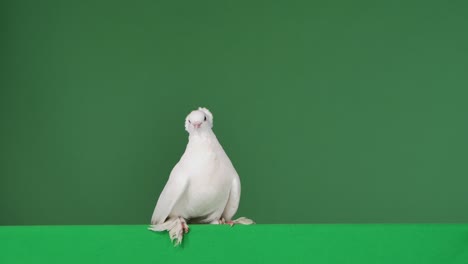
207 113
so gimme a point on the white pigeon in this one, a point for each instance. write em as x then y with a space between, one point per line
203 187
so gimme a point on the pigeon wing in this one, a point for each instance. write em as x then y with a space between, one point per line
171 193
233 201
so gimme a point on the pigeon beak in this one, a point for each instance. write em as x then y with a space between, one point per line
197 125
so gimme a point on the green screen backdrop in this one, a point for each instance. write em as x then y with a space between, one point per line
331 111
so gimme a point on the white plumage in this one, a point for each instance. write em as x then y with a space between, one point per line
203 187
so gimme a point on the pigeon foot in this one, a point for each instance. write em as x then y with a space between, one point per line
184 225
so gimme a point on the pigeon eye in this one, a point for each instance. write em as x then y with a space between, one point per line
190 122
205 118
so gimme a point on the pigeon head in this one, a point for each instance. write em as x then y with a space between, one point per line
199 120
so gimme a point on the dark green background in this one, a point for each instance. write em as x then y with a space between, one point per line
331 111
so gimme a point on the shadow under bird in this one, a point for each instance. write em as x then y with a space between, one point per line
203 187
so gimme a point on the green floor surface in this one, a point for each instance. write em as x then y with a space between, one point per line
324 243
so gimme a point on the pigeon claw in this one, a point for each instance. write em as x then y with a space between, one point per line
223 221
185 228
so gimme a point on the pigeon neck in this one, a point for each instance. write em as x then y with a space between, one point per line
201 135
